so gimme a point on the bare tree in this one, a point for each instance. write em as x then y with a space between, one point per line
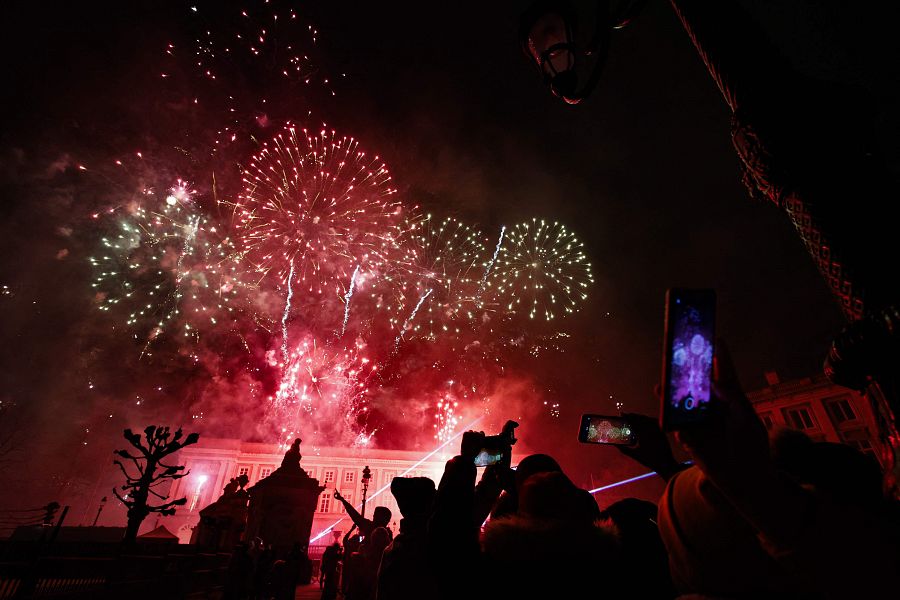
152 472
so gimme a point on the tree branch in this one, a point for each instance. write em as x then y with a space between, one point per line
128 503
168 505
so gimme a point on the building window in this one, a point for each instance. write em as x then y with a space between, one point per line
388 476
767 420
348 496
841 410
265 472
325 502
349 476
799 417
243 471
329 476
861 440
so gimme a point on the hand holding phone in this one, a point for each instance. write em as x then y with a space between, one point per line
687 357
497 449
601 429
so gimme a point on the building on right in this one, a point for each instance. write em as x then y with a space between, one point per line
822 410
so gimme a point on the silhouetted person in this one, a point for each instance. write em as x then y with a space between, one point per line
737 502
262 568
364 575
452 535
351 553
645 562
239 574
531 465
551 546
381 516
405 571
328 572
282 581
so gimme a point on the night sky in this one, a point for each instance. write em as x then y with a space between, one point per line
643 172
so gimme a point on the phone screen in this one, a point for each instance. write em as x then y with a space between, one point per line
488 457
687 370
599 429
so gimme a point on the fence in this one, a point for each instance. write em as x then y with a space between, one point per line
178 574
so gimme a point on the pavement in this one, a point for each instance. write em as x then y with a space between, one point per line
308 592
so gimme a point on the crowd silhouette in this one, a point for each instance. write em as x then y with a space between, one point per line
753 516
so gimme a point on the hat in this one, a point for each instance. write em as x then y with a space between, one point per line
414 495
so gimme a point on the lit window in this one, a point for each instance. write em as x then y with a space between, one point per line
265 472
348 496
329 476
349 476
799 417
325 502
841 411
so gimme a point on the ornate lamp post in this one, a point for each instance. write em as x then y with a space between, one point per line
804 145
366 477
99 510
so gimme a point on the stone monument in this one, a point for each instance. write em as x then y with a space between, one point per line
283 504
222 523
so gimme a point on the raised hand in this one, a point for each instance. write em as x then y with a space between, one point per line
471 444
733 440
652 448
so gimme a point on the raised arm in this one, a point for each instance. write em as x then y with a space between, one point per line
364 524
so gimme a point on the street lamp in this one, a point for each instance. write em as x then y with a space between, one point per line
99 510
366 477
805 146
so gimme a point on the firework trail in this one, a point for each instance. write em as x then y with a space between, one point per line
284 316
347 298
306 211
487 270
440 255
409 319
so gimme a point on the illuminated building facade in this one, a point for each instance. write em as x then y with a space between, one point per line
213 462
822 410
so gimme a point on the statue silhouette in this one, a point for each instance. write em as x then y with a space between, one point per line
292 457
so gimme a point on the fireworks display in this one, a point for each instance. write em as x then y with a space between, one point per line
444 256
249 65
542 270
298 241
164 265
324 387
316 202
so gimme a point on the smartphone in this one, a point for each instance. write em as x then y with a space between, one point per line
600 429
687 357
488 456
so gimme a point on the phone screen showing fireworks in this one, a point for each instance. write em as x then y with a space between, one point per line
688 357
600 429
487 457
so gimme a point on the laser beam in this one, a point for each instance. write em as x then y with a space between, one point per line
403 474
